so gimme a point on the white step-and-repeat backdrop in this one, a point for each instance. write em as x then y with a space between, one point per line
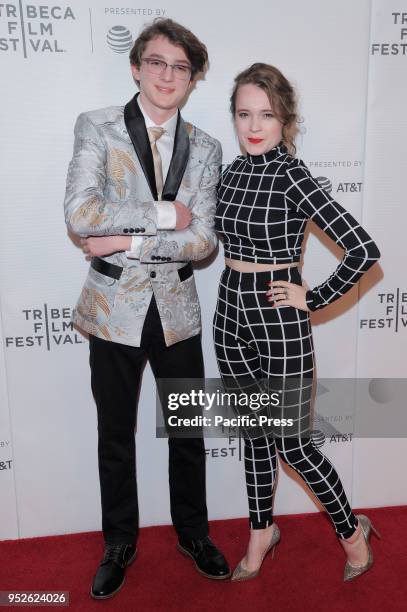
348 62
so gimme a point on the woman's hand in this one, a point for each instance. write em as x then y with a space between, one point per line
284 293
98 246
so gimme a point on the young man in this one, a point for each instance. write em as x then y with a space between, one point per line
145 181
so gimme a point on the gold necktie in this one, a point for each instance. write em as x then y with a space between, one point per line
154 134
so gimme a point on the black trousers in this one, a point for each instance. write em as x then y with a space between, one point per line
116 371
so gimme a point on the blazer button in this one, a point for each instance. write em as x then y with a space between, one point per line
142 229
153 274
168 258
131 230
137 229
125 230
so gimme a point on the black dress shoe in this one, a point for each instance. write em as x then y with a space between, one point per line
109 578
209 561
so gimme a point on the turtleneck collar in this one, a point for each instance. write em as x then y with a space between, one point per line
266 158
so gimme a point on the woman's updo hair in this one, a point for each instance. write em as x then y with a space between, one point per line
280 94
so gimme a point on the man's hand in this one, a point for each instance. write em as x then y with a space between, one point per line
98 246
184 216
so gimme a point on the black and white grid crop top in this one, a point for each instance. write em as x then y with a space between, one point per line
264 203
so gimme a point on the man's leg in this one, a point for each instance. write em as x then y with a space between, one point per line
187 459
186 455
115 375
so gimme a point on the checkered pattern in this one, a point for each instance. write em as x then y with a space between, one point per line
264 203
254 341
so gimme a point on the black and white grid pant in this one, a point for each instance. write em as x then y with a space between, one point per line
255 341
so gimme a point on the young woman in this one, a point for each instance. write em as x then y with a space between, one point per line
261 325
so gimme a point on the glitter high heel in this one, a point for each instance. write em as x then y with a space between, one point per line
351 571
242 573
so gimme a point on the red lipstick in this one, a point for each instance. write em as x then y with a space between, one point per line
255 140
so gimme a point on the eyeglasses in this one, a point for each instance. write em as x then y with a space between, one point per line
156 66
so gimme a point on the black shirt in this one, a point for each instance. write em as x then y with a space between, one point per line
264 203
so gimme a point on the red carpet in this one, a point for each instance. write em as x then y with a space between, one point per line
306 573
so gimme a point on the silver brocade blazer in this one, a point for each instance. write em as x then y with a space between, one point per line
111 190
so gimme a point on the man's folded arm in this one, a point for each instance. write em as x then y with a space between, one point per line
197 241
87 211
166 219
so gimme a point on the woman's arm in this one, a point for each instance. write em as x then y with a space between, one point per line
305 194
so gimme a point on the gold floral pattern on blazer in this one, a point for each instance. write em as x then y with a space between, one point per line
107 193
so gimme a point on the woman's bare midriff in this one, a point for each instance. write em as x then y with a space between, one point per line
248 266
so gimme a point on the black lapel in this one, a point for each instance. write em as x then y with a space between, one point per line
178 163
136 128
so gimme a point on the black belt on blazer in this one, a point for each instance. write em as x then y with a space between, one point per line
109 269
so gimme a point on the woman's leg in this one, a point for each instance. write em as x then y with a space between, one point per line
289 355
292 361
323 480
240 369
321 477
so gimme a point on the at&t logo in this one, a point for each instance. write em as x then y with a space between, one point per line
325 183
317 438
119 39
344 187
5 465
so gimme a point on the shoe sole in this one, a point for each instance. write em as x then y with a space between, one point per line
129 562
188 554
